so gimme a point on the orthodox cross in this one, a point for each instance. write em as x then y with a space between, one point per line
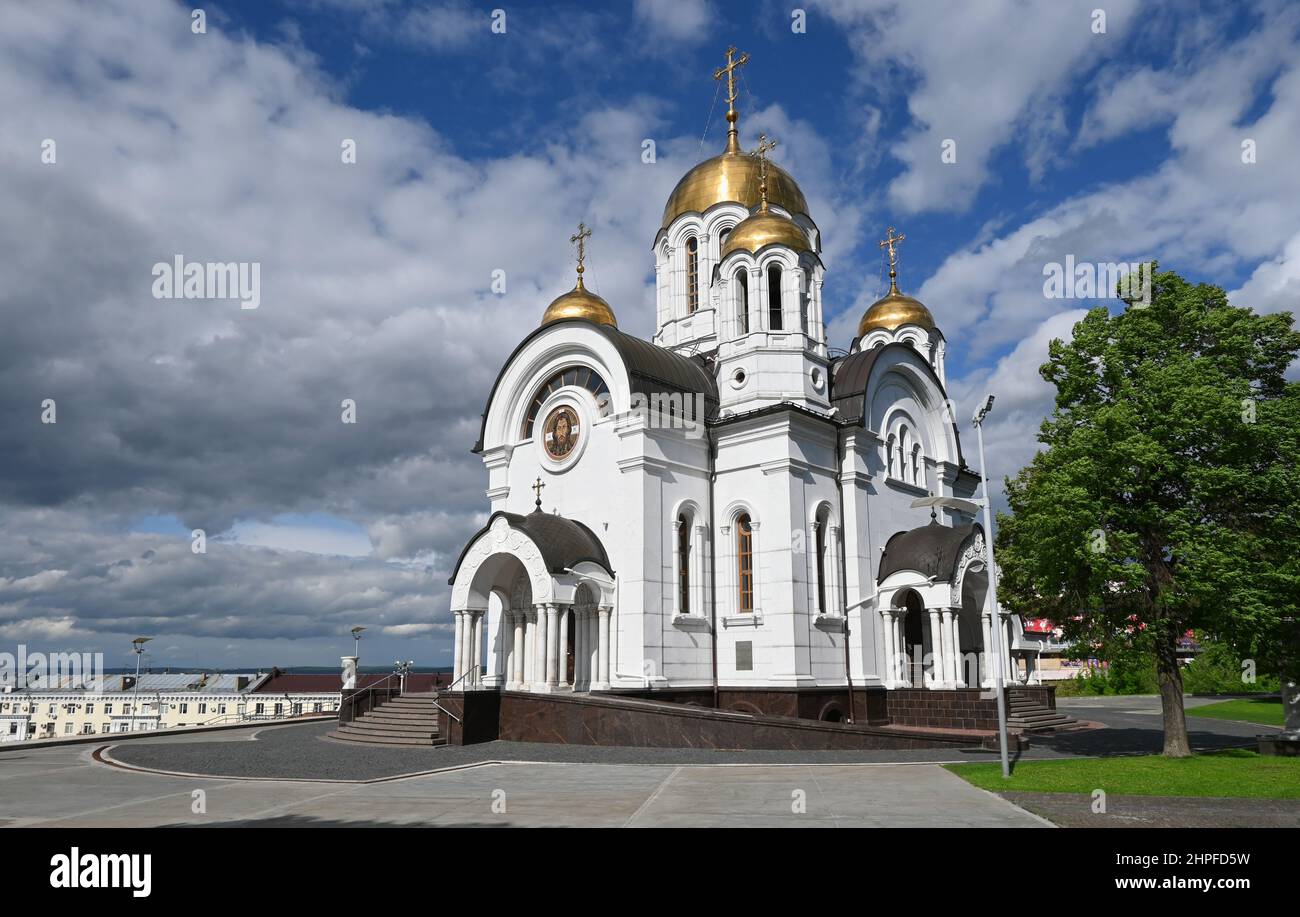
761 151
580 239
537 489
733 62
890 242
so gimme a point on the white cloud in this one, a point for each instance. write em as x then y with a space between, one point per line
988 75
684 21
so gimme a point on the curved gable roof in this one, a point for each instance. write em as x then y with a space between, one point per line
563 543
651 369
930 550
849 385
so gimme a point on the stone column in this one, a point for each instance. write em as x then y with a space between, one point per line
697 569
507 674
938 650
986 657
592 647
552 644
539 644
474 646
457 653
834 605
958 668
949 648
517 651
602 657
887 641
562 656
1006 648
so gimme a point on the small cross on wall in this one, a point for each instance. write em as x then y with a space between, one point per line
537 489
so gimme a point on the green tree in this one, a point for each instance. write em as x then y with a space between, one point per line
1168 492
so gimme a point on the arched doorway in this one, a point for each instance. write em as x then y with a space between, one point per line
571 655
914 639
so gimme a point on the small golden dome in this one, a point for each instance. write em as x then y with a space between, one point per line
580 303
766 227
893 311
732 176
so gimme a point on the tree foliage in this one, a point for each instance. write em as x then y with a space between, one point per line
1167 496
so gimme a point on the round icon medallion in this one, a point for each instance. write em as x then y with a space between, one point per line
560 432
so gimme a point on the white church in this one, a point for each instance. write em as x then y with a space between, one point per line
732 504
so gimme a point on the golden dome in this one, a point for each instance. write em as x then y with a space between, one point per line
893 311
580 303
732 176
765 227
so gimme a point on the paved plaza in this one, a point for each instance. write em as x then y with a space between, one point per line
291 775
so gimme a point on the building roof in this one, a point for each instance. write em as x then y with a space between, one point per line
651 369
330 682
152 682
850 376
564 543
930 550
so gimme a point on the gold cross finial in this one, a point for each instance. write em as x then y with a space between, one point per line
537 489
733 62
891 242
580 237
764 145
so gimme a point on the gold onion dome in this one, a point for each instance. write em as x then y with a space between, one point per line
765 226
580 302
733 175
894 309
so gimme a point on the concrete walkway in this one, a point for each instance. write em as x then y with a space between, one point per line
68 787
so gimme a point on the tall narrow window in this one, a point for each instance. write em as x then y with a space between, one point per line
745 561
821 568
692 274
683 565
918 467
889 455
774 322
742 300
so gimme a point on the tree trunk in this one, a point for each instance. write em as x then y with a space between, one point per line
1170 679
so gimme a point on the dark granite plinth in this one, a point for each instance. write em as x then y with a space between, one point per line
959 708
823 704
600 719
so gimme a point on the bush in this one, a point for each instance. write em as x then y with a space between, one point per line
1218 670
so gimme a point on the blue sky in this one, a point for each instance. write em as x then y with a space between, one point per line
479 151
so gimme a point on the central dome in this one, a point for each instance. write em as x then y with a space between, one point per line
732 176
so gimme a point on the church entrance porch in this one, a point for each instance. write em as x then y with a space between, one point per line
532 598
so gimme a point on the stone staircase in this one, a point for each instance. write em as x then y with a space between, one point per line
1026 714
408 720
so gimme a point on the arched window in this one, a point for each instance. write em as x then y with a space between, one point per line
692 275
918 466
683 565
904 438
821 567
580 376
745 562
742 300
889 456
774 322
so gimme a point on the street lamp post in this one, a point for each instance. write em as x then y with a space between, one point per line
138 648
995 619
356 642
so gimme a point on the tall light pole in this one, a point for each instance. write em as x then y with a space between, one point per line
356 642
995 618
137 646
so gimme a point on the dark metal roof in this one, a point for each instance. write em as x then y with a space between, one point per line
849 378
564 543
931 550
651 369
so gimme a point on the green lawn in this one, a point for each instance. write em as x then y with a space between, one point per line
1266 710
1234 772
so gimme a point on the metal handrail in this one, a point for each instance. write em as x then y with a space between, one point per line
472 670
